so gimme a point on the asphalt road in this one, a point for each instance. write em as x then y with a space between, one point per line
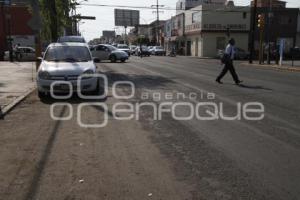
144 158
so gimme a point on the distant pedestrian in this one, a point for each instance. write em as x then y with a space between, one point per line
141 50
227 59
18 52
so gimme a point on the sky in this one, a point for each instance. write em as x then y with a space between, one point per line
91 29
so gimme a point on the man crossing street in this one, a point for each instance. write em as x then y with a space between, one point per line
228 58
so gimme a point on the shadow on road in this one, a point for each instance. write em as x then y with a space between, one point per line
75 99
109 62
254 87
34 185
140 81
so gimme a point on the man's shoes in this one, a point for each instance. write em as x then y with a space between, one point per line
238 82
219 81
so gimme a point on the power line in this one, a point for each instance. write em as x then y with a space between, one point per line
168 8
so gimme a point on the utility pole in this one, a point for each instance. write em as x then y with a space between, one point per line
157 26
270 15
54 28
252 31
10 43
6 20
261 26
4 30
157 6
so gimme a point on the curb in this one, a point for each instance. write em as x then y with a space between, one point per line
13 104
285 68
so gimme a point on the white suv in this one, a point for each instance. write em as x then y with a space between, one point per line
64 64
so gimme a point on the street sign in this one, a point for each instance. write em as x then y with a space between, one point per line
127 17
84 17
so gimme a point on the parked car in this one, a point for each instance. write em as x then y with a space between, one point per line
108 52
72 38
293 54
124 47
132 49
145 51
24 54
150 47
158 51
241 54
66 62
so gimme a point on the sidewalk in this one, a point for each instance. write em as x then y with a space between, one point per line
16 80
286 65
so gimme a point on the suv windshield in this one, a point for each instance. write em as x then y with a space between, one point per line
68 54
71 39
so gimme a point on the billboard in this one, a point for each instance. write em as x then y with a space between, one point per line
127 17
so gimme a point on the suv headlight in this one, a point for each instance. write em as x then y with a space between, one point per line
44 75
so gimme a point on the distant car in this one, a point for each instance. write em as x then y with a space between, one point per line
23 54
158 51
66 62
132 49
108 52
241 54
77 39
145 51
124 47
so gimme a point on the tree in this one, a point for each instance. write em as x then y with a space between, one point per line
55 17
142 40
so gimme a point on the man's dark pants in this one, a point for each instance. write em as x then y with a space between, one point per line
229 66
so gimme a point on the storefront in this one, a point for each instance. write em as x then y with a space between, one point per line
208 32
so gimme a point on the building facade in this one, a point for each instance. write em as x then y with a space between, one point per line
268 3
155 27
174 30
284 24
14 23
208 28
183 5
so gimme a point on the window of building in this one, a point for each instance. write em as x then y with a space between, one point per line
178 23
196 17
244 15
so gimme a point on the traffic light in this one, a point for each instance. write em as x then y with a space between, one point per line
261 21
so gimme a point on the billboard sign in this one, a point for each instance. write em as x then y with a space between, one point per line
127 17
